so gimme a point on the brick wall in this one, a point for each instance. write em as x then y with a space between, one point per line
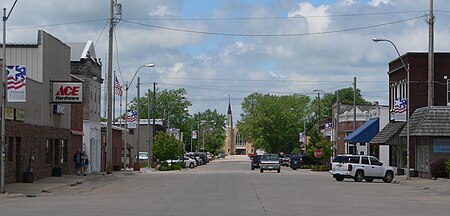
33 142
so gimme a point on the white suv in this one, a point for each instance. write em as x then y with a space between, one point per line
359 167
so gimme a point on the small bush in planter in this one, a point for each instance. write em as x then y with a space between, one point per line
447 167
164 166
437 168
176 166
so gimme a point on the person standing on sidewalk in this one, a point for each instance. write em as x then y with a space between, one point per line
77 159
84 163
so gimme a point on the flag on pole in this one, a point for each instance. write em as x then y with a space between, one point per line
400 109
16 84
117 88
328 127
132 118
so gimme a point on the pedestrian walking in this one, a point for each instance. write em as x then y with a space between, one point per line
84 162
77 161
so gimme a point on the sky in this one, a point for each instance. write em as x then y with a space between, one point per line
221 49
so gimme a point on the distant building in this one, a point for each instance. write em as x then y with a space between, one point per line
229 147
85 65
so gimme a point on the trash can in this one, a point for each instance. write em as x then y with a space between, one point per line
57 171
27 177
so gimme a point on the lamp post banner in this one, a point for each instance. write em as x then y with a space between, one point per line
131 120
16 83
400 110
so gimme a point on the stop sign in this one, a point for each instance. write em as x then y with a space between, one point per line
318 153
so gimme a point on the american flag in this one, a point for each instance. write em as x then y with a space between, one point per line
17 76
400 106
117 88
328 126
132 115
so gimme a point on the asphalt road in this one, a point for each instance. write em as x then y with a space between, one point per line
229 187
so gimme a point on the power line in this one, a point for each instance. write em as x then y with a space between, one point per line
56 24
272 35
278 17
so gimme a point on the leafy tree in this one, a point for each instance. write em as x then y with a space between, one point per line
327 101
271 122
201 121
317 141
167 147
171 106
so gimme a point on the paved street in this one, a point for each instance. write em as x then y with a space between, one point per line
229 187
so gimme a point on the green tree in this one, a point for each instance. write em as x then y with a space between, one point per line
214 139
327 101
317 141
167 147
271 122
171 106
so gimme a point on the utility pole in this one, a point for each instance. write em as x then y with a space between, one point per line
430 56
4 98
109 117
354 112
338 110
150 137
154 124
137 166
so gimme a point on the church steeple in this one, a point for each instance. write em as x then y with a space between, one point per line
229 113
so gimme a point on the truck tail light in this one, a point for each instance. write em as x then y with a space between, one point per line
350 167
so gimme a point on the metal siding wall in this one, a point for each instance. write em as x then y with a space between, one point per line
56 67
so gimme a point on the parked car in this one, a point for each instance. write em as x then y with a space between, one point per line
359 167
202 156
220 155
255 163
209 156
285 159
270 162
297 161
143 155
188 162
197 159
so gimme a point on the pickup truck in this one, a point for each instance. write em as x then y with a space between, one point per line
360 167
270 162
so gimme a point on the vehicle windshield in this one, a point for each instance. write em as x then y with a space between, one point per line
341 159
270 157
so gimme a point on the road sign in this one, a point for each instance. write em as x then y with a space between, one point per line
318 153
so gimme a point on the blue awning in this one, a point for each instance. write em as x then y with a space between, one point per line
365 132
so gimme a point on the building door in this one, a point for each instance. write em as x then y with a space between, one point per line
18 159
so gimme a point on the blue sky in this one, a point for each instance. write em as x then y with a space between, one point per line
211 67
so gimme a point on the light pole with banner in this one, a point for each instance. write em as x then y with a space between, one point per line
407 99
127 86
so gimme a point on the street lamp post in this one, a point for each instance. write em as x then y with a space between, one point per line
407 100
203 137
127 86
3 125
318 96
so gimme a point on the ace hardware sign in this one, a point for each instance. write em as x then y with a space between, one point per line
67 92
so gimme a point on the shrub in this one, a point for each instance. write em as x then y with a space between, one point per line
320 168
176 166
144 164
447 166
437 168
164 166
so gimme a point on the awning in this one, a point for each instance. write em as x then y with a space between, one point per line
76 132
389 134
365 132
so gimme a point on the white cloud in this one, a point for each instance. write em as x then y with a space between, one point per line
162 10
376 3
347 2
315 15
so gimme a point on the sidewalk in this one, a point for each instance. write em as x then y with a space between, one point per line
440 185
43 186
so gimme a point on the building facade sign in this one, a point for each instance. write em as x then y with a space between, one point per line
67 92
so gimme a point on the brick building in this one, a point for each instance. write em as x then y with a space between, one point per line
421 143
38 137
